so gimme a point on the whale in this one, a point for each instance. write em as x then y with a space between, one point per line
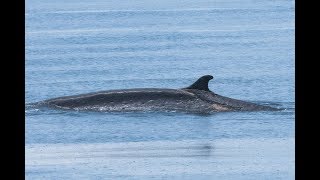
196 98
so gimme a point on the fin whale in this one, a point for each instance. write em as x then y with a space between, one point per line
196 98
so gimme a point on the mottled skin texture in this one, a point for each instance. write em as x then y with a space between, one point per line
196 98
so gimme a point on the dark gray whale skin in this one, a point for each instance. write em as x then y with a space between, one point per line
196 98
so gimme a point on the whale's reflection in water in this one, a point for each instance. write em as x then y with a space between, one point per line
170 159
183 151
77 153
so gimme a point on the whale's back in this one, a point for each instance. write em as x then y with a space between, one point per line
132 100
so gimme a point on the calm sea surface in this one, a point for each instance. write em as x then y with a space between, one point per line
78 46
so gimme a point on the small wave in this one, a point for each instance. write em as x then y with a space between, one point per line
30 106
182 30
283 106
154 10
31 110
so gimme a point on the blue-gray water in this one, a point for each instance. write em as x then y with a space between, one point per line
75 47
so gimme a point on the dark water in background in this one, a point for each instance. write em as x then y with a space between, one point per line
75 47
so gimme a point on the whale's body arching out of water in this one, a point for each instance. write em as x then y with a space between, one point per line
196 98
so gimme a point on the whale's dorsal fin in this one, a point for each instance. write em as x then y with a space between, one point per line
201 83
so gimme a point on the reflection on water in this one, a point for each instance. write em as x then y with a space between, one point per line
191 149
237 157
159 152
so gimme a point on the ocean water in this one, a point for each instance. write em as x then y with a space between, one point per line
75 47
